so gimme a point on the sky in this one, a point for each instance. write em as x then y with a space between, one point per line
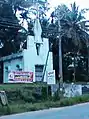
81 3
54 3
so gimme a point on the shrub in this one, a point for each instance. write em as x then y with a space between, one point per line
44 93
5 110
27 96
24 92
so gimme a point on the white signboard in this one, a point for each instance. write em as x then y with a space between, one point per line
51 77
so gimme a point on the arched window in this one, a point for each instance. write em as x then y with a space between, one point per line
38 48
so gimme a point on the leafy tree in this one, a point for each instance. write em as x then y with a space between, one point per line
11 34
73 24
8 27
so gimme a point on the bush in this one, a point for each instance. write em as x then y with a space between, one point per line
5 110
74 100
44 93
58 95
24 92
27 96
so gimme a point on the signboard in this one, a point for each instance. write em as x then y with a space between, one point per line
51 77
20 77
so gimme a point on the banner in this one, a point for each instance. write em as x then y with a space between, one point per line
20 77
51 77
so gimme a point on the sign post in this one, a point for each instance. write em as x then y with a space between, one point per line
51 80
51 77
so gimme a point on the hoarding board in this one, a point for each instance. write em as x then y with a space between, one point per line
20 77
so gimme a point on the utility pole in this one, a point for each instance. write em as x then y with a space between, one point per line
60 50
60 57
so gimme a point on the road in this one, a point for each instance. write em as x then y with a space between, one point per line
80 111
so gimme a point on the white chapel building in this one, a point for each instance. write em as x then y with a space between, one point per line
33 59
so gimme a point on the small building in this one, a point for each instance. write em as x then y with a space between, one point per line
33 59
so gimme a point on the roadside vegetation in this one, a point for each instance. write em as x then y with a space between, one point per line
27 97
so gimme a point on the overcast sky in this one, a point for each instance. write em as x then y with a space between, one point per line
80 3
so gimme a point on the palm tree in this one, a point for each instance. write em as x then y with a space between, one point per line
71 23
60 13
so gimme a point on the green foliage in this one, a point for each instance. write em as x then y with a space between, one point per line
25 107
27 97
74 100
5 110
57 96
81 67
25 92
44 93
73 32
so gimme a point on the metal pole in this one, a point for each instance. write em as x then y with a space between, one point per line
44 70
45 66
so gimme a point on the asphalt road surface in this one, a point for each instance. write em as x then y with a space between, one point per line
80 111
